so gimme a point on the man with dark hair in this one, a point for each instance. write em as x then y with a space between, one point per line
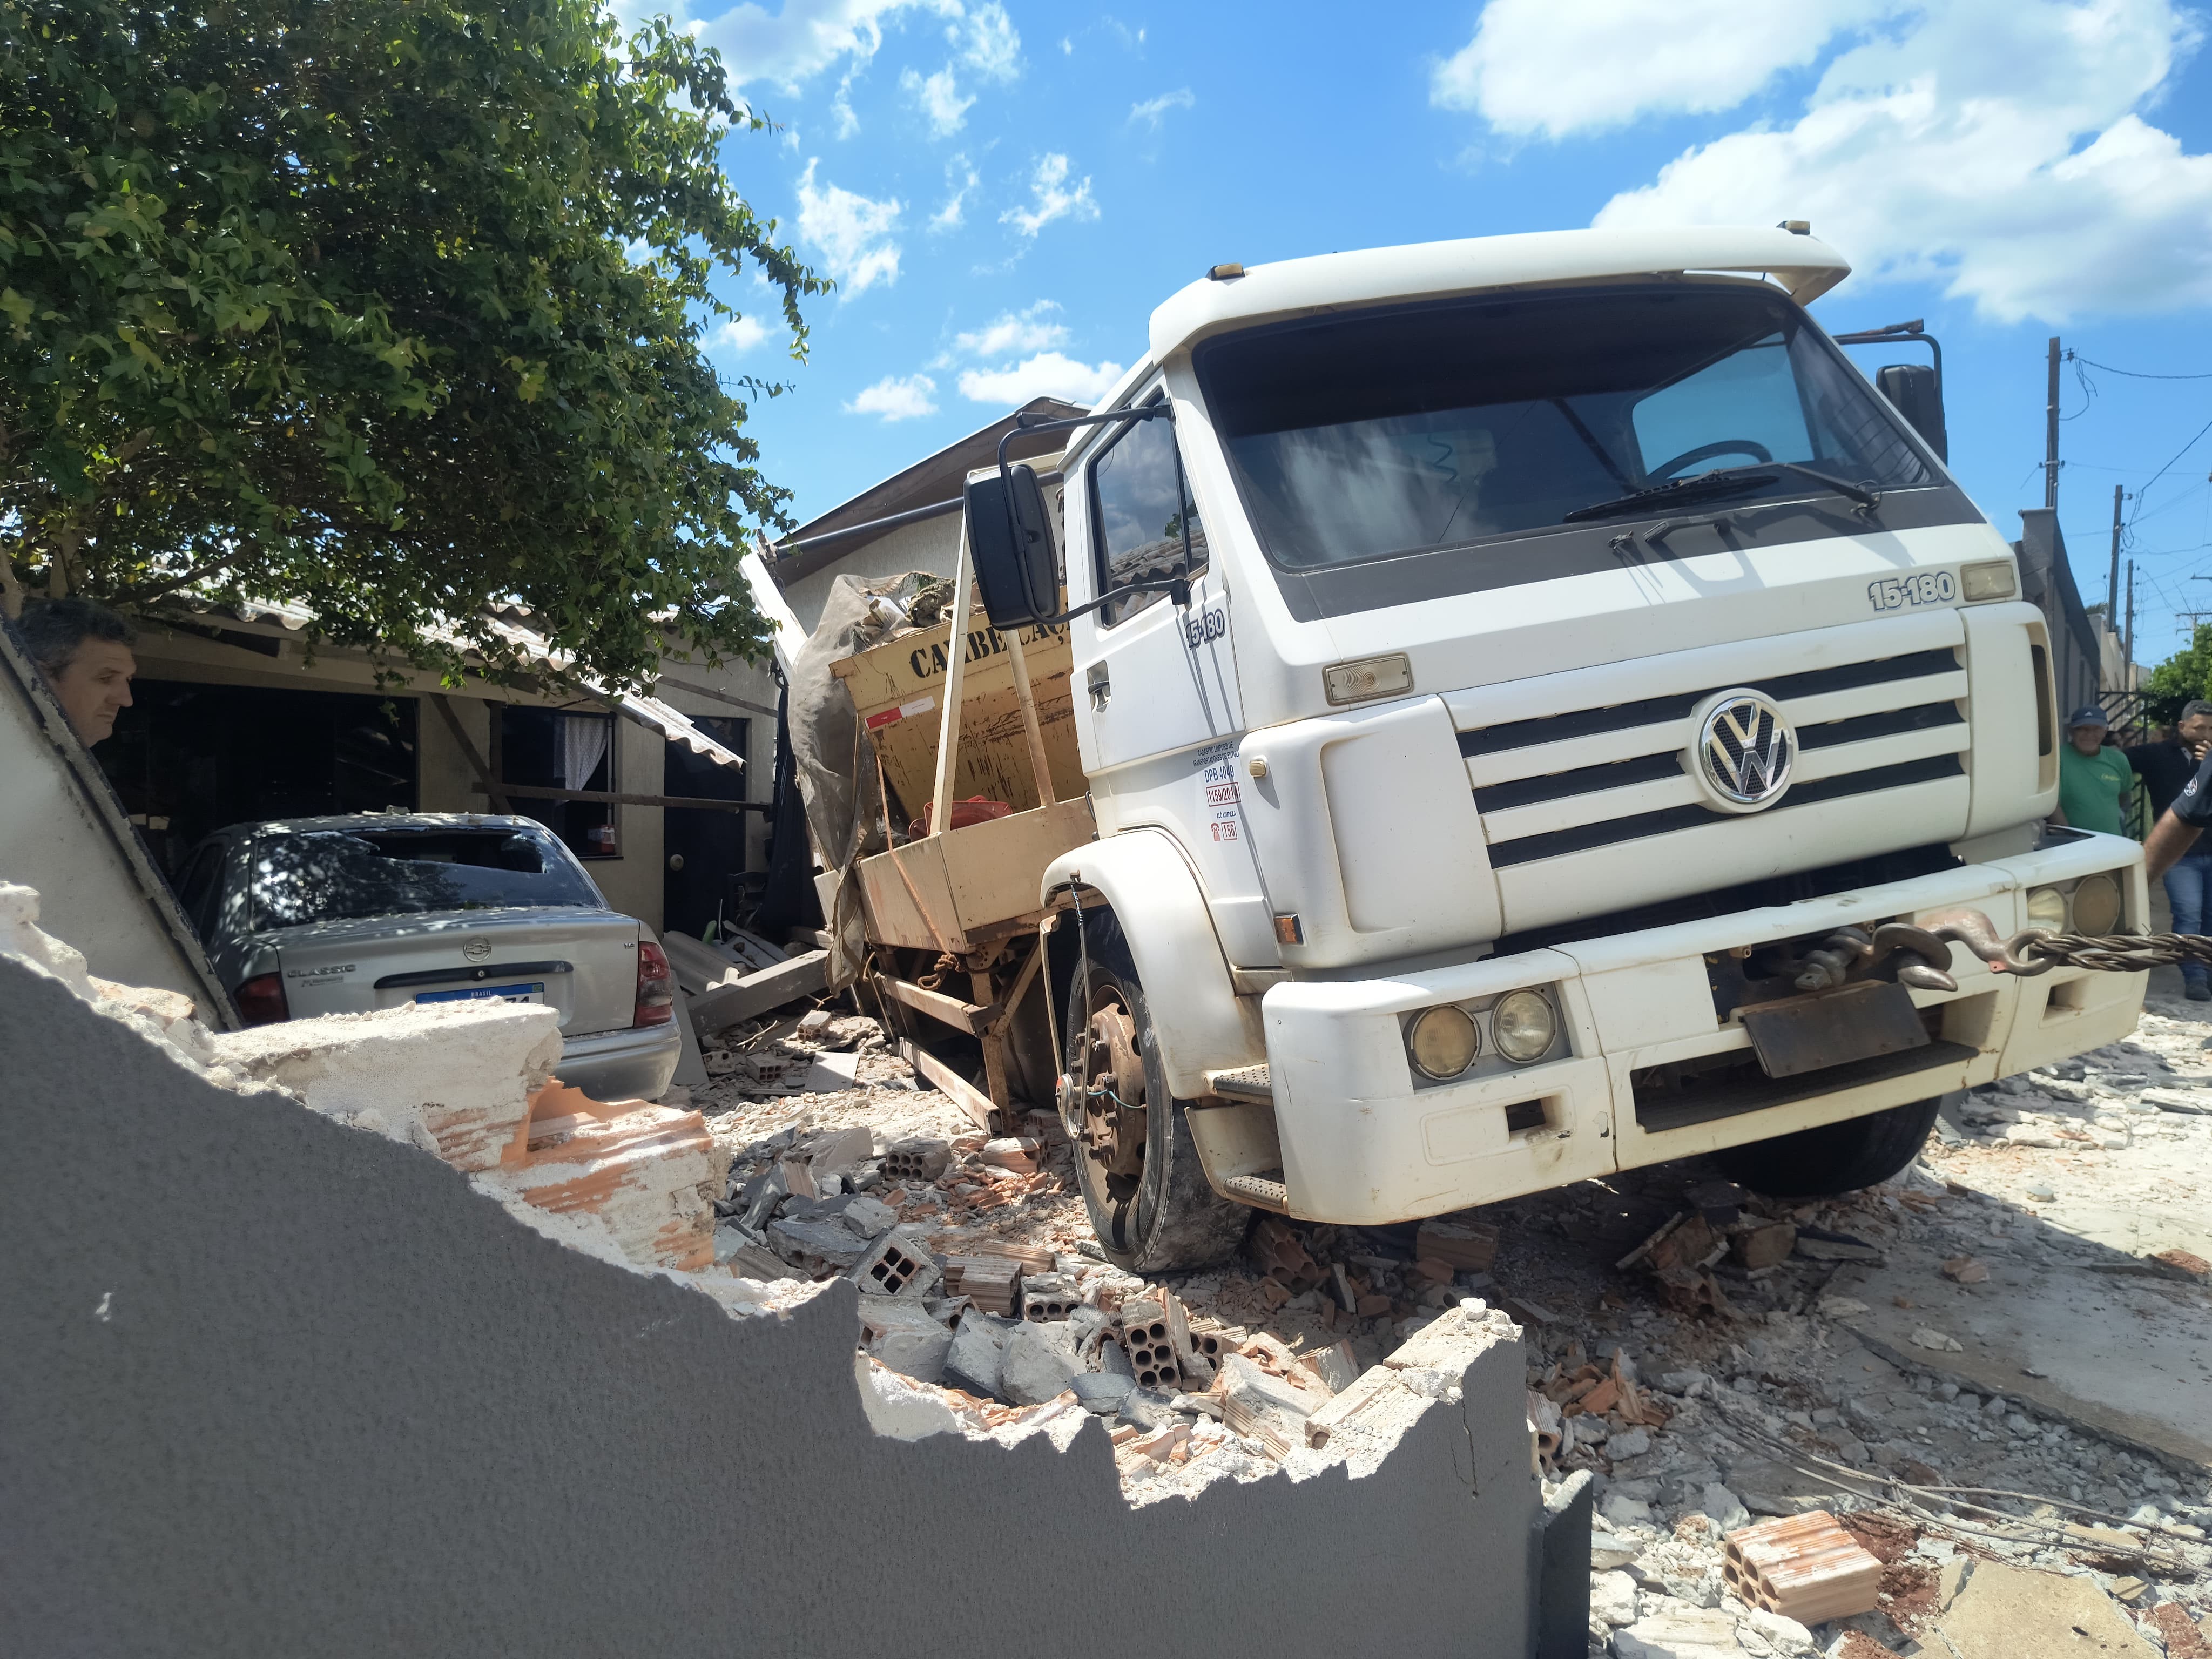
83 649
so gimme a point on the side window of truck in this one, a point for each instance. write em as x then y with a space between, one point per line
1140 504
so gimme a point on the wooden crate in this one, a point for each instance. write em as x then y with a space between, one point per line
964 888
898 688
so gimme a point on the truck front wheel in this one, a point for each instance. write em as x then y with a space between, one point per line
1836 1157
1149 1199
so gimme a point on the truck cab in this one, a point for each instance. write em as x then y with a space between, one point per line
1545 712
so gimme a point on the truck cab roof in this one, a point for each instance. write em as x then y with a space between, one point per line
1804 267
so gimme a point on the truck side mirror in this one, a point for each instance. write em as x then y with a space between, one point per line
1010 544
1917 396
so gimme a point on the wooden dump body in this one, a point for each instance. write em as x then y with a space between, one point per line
898 688
991 715
969 889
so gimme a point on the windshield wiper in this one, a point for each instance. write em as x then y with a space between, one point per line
1724 481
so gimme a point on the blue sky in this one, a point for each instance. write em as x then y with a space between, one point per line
1005 193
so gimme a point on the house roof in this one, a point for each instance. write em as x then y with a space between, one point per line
254 616
932 479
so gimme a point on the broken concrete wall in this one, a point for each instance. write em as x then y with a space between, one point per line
274 1384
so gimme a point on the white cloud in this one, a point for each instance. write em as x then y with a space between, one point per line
896 398
804 39
1032 330
853 232
1052 199
963 178
1153 109
1998 148
1555 67
1048 375
740 335
938 99
841 106
987 42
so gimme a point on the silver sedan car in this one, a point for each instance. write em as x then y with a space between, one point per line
342 915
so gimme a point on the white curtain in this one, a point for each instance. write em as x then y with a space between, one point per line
583 747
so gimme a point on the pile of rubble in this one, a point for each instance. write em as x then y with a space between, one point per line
1001 1324
1705 1355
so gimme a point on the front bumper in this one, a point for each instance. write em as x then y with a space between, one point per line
1363 1145
632 1064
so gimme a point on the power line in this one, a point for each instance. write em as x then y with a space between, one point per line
2163 471
2134 374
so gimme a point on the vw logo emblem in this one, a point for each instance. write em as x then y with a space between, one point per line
476 949
1744 750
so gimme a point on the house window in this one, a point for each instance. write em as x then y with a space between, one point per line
557 748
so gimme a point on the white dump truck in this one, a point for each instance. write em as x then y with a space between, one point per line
1544 712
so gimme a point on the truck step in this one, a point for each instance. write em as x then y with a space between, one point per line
1260 1191
1248 1083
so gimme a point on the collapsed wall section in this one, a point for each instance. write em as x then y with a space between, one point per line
279 1385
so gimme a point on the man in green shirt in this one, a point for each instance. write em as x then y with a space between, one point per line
2093 780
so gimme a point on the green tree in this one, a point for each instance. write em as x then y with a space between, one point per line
2186 675
392 308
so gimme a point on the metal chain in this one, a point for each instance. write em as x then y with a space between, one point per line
2117 953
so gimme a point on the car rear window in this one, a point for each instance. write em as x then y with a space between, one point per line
303 876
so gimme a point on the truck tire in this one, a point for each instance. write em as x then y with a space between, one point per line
1836 1157
1166 1218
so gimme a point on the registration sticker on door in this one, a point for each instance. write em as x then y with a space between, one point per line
489 994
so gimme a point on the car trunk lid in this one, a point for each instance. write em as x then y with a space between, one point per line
581 963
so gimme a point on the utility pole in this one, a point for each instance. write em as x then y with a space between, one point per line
2112 585
2128 666
2051 431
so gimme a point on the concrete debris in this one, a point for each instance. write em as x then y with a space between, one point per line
1272 1410
977 1352
904 1337
2000 1612
724 1005
1039 1362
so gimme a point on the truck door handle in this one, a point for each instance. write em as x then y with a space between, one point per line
1101 688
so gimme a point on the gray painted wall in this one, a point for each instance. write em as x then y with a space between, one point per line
272 1386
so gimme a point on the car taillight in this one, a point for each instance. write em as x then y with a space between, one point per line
261 1000
656 986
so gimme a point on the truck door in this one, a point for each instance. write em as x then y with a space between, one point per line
1160 708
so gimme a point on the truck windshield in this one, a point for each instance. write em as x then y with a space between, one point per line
304 876
1421 428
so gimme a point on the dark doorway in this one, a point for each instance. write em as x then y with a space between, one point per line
188 759
558 749
705 850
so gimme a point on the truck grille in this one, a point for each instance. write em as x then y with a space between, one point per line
1593 777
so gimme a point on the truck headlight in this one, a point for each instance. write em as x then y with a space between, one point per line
2096 904
1523 1026
2046 908
1443 1042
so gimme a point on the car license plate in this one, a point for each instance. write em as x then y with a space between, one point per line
489 994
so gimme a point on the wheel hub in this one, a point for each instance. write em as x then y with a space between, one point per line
1113 1083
